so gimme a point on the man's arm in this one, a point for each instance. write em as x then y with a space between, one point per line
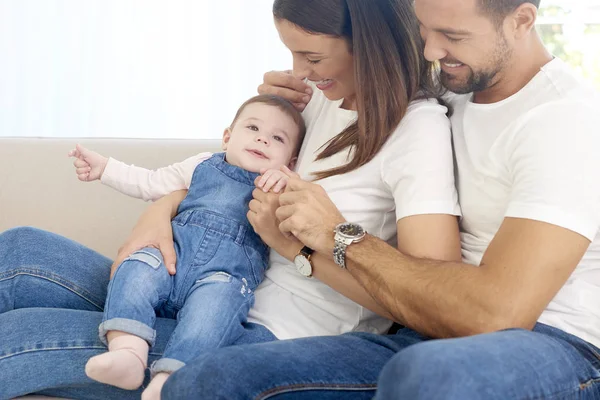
433 236
524 267
550 217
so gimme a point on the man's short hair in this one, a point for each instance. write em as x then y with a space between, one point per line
499 9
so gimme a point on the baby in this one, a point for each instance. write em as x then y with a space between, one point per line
220 259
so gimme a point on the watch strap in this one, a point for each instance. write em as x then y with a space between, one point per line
339 253
306 252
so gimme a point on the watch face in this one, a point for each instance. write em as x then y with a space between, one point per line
303 265
351 230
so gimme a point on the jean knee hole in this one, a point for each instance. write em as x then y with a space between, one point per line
147 258
216 277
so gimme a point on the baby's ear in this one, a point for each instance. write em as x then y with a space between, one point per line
226 137
292 164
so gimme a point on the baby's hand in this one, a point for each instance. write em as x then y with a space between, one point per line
272 179
89 165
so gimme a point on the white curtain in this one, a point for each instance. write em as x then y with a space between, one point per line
131 68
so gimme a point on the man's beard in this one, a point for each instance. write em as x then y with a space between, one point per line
476 81
483 79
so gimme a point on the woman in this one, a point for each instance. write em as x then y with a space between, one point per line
382 155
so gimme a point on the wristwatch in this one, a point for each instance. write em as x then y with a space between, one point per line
302 261
346 234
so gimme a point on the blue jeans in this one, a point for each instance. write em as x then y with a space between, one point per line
218 268
514 364
44 350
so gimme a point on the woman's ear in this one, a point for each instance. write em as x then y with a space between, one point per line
292 164
226 137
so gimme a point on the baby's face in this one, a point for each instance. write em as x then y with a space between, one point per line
263 137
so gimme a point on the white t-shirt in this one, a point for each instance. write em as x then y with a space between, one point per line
535 156
412 174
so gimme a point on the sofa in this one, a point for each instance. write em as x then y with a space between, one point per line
38 187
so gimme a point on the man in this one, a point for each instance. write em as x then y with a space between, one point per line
525 323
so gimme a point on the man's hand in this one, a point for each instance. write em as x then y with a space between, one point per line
307 212
286 85
89 165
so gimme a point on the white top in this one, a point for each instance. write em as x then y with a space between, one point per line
535 156
146 184
412 174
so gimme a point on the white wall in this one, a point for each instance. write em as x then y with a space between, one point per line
140 68
131 68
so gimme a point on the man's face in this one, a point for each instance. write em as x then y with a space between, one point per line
472 50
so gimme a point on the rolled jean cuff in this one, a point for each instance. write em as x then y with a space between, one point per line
130 326
168 365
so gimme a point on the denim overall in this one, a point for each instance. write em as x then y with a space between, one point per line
220 261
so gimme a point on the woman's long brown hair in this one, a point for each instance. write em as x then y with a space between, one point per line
389 65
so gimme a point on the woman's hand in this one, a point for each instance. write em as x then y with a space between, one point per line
286 85
261 216
307 212
153 229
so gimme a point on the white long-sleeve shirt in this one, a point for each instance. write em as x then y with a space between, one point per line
151 185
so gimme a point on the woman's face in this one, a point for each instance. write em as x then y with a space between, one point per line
323 59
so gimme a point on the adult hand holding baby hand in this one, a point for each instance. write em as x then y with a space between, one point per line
307 212
261 215
89 165
274 179
303 213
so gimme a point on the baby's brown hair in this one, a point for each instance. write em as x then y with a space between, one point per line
282 104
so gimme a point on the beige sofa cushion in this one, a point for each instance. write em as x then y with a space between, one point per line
38 186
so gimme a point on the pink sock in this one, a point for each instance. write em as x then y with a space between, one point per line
123 365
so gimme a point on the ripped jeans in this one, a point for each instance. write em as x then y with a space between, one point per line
219 264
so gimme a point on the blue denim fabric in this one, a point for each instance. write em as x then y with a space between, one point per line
514 364
220 187
44 350
41 269
220 262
